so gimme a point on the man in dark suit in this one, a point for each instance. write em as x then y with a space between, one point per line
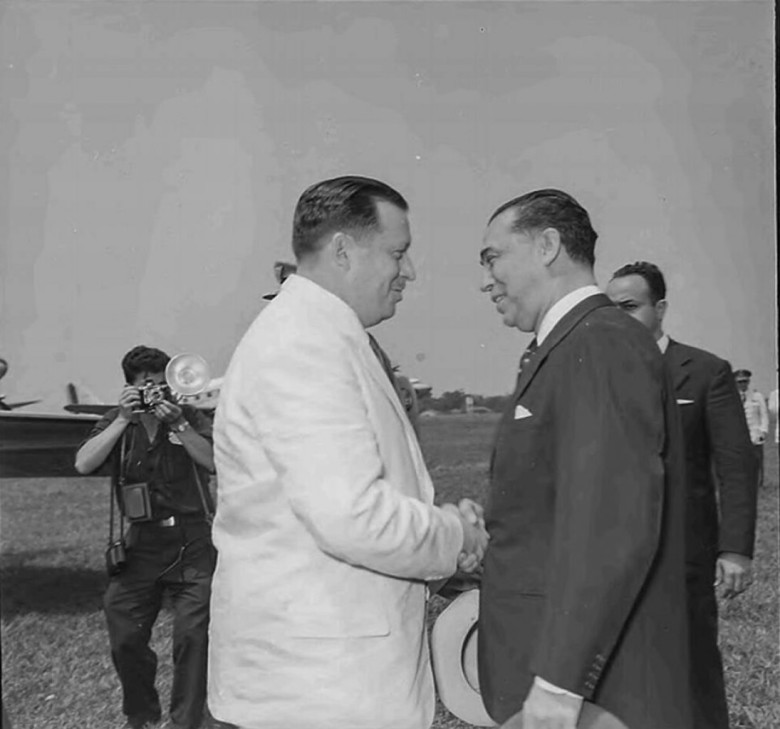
719 550
582 609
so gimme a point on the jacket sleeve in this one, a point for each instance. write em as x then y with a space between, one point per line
735 464
314 426
609 436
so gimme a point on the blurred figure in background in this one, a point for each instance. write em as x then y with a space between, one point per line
718 550
408 399
756 416
772 407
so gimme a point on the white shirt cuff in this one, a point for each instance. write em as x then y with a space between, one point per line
552 688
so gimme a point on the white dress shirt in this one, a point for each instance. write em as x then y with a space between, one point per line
562 307
756 415
663 343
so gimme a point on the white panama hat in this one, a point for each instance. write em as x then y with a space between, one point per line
454 658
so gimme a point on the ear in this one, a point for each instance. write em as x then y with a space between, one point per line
549 245
660 309
342 249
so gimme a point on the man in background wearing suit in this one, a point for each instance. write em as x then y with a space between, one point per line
582 610
325 523
719 549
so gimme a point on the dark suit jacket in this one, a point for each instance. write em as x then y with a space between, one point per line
716 434
584 580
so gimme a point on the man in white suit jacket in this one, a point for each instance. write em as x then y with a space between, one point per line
325 524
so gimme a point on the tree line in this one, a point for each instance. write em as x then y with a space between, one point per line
457 400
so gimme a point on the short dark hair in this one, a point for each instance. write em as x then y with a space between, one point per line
650 273
555 209
343 203
143 359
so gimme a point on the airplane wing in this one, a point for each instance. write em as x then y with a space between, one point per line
88 409
36 445
14 405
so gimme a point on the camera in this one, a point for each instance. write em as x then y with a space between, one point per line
116 558
152 394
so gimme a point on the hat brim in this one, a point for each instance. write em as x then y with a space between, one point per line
454 658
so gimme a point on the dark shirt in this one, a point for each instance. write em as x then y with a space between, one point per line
163 463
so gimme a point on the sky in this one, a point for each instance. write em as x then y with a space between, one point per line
154 153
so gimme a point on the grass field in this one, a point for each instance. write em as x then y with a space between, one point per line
57 672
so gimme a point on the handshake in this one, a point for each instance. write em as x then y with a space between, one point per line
475 538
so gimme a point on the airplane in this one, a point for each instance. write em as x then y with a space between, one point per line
39 445
7 406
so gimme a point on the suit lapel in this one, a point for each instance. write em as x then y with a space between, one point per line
558 334
378 374
678 362
380 378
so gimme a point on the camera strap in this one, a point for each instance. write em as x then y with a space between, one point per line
114 492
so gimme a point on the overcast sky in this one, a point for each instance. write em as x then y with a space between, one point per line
154 153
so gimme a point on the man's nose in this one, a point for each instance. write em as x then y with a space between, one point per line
407 268
487 280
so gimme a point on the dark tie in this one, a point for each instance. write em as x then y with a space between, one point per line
384 360
526 358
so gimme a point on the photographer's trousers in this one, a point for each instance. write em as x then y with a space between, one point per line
177 563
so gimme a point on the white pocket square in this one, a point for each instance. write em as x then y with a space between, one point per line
684 402
521 412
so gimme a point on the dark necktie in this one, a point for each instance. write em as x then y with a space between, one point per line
384 360
526 358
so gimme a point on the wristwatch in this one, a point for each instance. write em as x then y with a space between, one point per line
181 427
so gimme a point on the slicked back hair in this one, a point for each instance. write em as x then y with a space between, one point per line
549 208
345 204
650 273
143 359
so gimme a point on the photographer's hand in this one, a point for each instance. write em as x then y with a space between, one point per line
167 412
199 448
129 402
94 452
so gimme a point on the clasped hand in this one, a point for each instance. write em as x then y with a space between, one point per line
475 537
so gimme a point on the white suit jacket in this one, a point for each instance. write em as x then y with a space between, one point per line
325 530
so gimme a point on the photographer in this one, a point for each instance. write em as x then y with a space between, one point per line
161 455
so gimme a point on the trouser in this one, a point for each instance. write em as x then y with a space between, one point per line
177 561
710 710
758 449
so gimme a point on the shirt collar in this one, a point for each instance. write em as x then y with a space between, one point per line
562 307
663 343
336 310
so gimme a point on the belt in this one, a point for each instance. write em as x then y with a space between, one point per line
172 521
